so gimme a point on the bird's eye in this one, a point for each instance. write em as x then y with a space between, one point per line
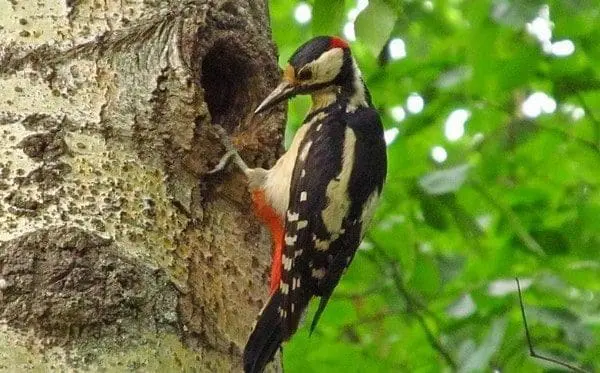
304 74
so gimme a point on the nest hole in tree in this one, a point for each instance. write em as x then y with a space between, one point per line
226 77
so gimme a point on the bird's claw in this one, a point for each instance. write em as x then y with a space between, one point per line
222 162
231 151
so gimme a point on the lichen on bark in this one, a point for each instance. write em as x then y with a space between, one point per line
117 251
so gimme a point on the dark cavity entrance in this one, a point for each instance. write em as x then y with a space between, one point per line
226 77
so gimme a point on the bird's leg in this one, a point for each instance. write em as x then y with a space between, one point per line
231 152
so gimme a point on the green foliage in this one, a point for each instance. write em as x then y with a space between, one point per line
375 24
328 15
518 193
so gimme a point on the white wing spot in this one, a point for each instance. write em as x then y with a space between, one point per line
321 244
291 240
303 173
295 283
292 216
319 273
293 307
287 263
285 288
303 196
297 253
301 224
319 126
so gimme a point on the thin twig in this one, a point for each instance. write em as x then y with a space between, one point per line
532 352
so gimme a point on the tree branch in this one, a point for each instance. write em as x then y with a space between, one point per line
532 352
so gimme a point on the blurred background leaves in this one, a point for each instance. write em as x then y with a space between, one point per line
492 116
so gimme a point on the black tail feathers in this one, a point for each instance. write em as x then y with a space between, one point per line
266 337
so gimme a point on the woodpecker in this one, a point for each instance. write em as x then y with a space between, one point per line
320 196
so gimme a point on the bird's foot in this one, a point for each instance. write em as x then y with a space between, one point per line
231 153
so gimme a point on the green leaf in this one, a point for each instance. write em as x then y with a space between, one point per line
426 277
433 212
479 360
398 241
555 317
450 266
374 25
515 13
465 222
444 181
553 241
328 17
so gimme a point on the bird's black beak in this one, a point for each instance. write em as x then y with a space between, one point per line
284 90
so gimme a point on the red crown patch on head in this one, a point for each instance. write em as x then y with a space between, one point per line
336 42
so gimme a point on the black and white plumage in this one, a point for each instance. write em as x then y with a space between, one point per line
333 184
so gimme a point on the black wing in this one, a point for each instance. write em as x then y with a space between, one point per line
340 165
316 254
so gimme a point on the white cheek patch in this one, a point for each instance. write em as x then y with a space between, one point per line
328 66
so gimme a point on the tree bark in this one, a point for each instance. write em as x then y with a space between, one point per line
117 251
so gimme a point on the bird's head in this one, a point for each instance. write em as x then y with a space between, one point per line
321 63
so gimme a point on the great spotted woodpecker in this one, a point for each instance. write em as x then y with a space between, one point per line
320 195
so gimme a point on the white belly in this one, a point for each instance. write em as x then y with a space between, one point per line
278 179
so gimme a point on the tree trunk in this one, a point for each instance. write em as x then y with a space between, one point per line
117 251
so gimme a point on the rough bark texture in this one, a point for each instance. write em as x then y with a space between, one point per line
117 251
